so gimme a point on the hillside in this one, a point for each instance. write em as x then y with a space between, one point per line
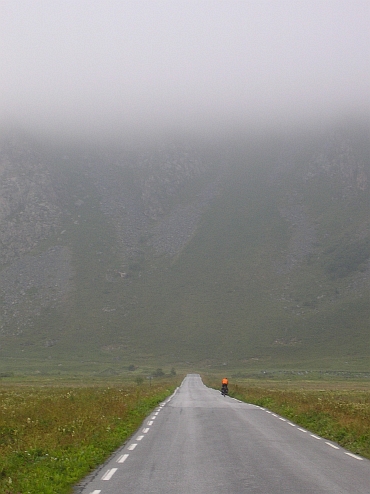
250 254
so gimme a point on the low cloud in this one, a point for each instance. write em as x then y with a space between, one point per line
115 68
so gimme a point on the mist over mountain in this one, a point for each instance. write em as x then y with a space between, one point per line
184 182
103 71
244 251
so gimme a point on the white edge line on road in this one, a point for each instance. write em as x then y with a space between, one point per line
109 474
139 438
95 492
150 422
122 458
132 447
332 445
145 430
312 435
354 456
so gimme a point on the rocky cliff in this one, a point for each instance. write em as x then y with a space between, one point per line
28 207
88 238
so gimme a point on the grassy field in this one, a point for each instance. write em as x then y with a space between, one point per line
52 435
54 432
336 410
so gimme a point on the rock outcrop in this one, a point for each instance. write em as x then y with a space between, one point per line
28 208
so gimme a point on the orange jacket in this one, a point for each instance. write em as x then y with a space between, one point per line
225 381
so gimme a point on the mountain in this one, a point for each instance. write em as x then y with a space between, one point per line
251 252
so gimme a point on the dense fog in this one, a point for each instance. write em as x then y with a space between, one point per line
115 69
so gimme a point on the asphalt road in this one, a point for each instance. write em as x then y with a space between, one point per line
198 441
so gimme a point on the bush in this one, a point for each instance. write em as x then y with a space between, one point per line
158 373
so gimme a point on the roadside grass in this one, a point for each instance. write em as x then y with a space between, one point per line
331 410
53 436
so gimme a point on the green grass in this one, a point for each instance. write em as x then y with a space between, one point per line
54 432
335 410
51 435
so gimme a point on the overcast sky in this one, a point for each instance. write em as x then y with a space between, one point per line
85 66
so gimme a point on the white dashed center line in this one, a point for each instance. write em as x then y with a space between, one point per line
132 447
316 437
139 438
109 474
302 430
95 492
145 430
122 458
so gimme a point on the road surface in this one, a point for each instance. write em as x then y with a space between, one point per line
198 441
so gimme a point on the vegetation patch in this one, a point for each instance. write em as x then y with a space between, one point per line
335 413
346 258
51 437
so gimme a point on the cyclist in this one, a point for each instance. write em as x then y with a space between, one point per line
224 384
